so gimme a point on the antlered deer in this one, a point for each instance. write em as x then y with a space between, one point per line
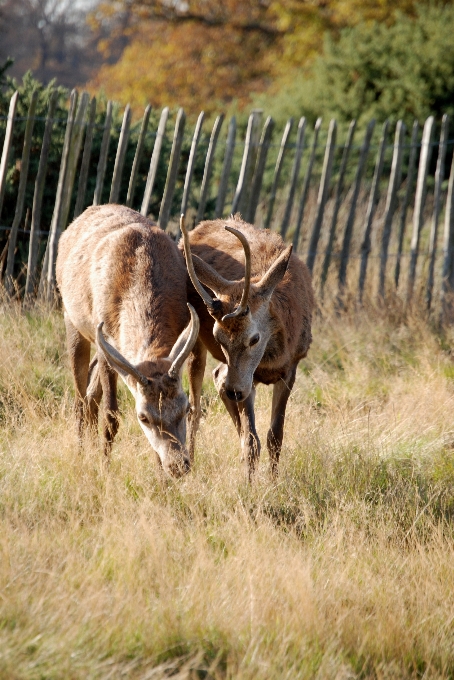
258 324
117 272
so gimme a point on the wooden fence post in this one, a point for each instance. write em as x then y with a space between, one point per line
241 197
345 254
373 198
9 283
439 177
121 156
447 275
337 203
307 179
7 146
152 172
257 178
102 163
85 165
424 160
190 167
277 172
322 194
30 283
226 167
208 167
394 181
166 203
295 174
406 200
47 275
138 156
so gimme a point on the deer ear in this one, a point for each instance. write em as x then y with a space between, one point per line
209 277
274 275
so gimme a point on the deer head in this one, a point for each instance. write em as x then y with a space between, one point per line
241 310
160 401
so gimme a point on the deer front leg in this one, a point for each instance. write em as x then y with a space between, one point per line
281 393
94 395
196 369
108 379
79 359
243 416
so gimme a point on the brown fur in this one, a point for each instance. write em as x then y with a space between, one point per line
114 266
288 316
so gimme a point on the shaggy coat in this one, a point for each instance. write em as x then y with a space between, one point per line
281 304
115 267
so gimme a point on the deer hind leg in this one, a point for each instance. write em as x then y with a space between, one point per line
79 359
281 393
243 416
94 395
196 369
108 380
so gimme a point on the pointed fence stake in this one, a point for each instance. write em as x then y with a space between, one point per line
447 275
31 281
241 197
277 171
390 207
121 156
102 163
307 180
337 204
424 160
154 162
208 167
226 167
166 204
322 194
439 177
406 200
295 174
373 199
138 156
85 165
7 146
259 170
9 283
345 254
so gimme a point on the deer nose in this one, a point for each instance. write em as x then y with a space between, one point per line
233 395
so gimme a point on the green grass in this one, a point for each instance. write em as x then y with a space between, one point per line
340 569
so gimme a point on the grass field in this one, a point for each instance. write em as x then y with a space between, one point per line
344 568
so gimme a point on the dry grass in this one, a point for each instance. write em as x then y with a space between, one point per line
343 569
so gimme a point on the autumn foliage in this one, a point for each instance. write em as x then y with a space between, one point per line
203 51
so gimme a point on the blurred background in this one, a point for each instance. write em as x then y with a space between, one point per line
343 58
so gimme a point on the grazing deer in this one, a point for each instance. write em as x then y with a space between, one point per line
118 272
258 324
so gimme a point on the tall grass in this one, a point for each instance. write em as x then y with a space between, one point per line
341 569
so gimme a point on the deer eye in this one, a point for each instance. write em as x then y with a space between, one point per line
143 418
254 340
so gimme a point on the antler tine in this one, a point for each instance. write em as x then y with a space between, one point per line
243 306
208 300
174 370
116 359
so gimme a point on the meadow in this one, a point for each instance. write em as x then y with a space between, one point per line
342 568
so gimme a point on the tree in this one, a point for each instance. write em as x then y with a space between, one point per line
51 38
206 53
405 70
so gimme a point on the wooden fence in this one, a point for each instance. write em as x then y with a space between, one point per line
364 214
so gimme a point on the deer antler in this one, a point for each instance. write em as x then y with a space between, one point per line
208 300
116 359
243 306
194 326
